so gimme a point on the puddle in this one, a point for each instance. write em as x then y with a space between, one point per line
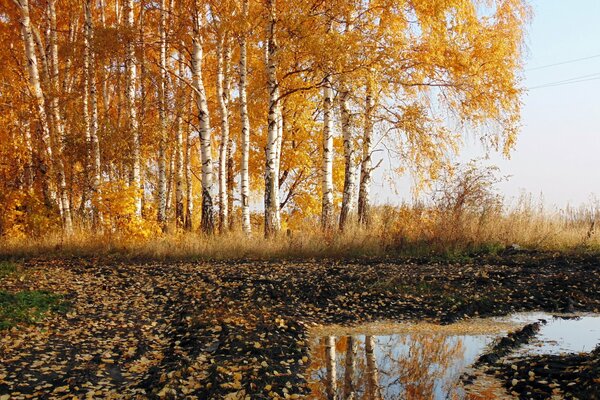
566 334
423 360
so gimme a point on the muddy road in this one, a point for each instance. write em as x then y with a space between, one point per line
240 330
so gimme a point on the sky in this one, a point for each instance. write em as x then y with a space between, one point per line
557 157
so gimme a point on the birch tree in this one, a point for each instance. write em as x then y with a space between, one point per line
59 130
330 368
37 93
162 108
349 369
348 205
223 83
180 162
327 168
373 390
189 203
245 123
272 217
366 169
130 66
208 222
95 164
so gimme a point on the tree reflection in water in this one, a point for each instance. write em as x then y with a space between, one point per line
416 366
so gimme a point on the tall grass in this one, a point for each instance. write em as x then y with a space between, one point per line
417 230
464 215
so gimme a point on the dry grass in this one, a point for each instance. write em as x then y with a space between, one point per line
395 232
464 215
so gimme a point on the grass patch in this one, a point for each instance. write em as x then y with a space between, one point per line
7 268
28 307
398 285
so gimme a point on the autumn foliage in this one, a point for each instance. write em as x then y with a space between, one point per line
111 113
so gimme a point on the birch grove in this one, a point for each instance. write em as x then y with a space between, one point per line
108 107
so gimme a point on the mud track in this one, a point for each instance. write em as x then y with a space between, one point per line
230 330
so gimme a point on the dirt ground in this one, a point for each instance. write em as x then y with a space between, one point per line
240 330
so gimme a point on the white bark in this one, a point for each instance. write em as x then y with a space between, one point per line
38 95
348 205
272 217
86 193
364 206
223 59
130 63
327 161
94 145
162 178
331 370
189 205
59 130
179 212
373 391
208 223
245 120
349 369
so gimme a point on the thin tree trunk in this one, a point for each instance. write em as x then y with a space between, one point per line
245 120
142 79
87 188
29 173
189 205
349 154
45 152
373 391
208 219
364 206
179 212
327 162
223 58
94 165
231 143
350 363
272 217
59 128
170 178
130 63
331 379
162 179
230 183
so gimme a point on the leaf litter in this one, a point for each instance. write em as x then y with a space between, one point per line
241 330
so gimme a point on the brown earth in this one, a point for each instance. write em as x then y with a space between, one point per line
229 330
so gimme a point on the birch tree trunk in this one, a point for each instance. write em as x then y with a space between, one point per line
189 205
59 129
94 144
230 183
331 378
349 368
349 154
130 64
45 152
373 391
327 162
179 215
86 192
223 58
245 120
162 178
364 206
208 219
141 80
272 218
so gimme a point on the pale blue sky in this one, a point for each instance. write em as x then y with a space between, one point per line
558 150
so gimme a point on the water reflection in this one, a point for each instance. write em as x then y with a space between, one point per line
425 361
415 366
